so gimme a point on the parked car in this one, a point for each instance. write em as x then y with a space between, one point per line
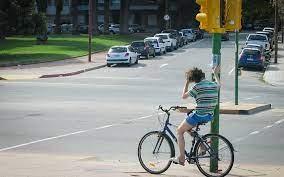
113 28
199 33
122 55
175 35
50 28
66 28
136 28
260 39
184 38
189 33
269 36
266 54
169 41
251 57
268 28
225 36
144 48
158 43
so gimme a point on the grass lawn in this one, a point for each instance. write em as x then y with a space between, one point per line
23 49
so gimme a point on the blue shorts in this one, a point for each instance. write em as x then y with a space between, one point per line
193 118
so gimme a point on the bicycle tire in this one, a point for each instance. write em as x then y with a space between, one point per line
227 146
164 141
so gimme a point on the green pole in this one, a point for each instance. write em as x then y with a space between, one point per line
236 69
216 51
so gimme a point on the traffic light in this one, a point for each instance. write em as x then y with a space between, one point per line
209 16
233 14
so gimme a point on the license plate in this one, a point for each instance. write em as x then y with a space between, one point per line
250 59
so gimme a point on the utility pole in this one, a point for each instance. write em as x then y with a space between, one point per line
236 68
276 32
90 29
167 13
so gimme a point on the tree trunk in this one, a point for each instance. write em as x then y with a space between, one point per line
106 16
59 7
74 13
95 17
124 13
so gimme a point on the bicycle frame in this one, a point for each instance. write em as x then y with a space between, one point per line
194 134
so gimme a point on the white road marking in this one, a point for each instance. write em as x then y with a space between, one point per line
268 126
279 121
69 134
163 65
230 73
253 133
251 98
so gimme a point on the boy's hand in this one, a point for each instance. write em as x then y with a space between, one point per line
183 110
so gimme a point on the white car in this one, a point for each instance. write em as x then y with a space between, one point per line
169 41
190 34
260 39
158 43
121 55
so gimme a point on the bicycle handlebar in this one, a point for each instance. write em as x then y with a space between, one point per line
171 108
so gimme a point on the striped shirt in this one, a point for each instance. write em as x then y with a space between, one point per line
206 96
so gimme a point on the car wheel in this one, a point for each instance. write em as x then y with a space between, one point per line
108 65
147 56
136 62
154 54
129 64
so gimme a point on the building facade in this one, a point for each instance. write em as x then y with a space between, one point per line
148 13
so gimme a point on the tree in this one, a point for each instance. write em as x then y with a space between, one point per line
59 7
95 16
124 13
74 13
106 16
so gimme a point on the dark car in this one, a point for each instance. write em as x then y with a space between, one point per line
175 34
199 33
136 28
144 48
251 58
225 36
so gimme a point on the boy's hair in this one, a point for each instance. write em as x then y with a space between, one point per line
195 75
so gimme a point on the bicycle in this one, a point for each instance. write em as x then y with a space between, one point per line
156 158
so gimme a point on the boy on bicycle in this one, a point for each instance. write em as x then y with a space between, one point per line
205 94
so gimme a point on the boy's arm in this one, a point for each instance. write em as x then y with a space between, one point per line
185 90
216 71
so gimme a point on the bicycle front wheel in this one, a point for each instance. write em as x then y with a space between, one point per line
155 150
212 161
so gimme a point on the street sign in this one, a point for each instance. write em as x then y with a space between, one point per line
166 17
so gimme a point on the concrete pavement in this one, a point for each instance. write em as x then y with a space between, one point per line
274 74
61 68
38 165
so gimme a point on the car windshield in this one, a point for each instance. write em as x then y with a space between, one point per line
250 52
257 38
137 44
162 36
152 40
118 50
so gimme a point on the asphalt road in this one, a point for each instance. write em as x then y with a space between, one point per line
103 113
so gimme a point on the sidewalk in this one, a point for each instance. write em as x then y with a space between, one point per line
46 165
66 67
274 74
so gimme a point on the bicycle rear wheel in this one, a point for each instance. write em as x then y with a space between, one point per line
154 152
206 156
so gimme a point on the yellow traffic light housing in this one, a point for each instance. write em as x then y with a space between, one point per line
233 14
209 16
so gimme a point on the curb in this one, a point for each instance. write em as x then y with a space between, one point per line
254 110
72 73
1 78
241 109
